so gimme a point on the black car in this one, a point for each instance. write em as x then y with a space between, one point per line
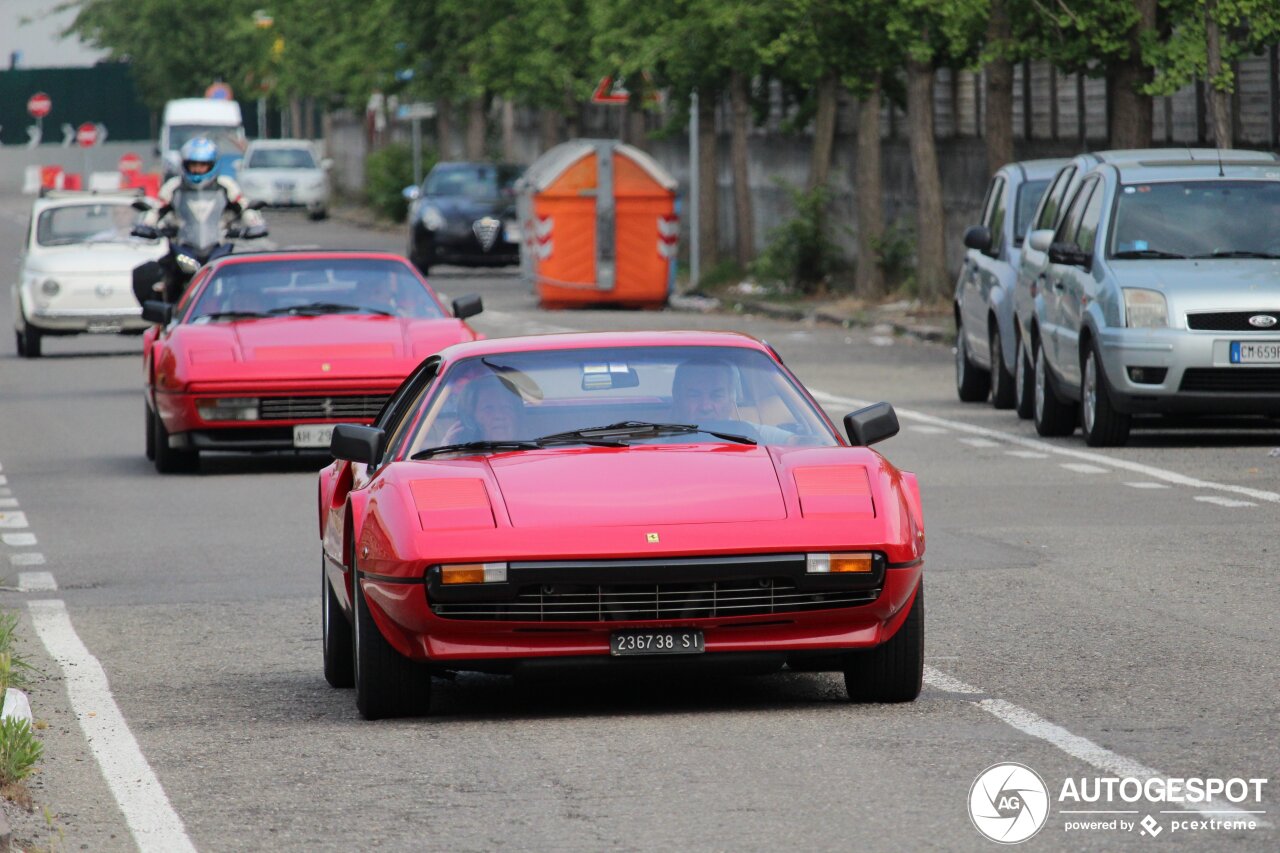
465 213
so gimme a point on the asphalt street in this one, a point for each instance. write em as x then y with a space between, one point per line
1090 614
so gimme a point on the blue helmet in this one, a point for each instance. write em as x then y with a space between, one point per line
199 160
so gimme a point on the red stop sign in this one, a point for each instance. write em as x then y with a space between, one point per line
87 135
130 163
39 105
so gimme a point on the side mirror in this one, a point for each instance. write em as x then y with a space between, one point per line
356 443
1041 239
978 237
467 306
1069 254
874 423
146 232
139 204
154 311
411 193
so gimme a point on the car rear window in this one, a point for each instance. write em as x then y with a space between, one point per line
281 158
1028 197
1197 219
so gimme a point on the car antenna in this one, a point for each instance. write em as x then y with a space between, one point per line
1221 174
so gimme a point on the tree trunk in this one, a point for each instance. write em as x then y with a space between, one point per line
1218 93
743 221
444 129
709 180
997 127
295 117
931 257
509 131
633 125
549 132
477 128
869 278
1130 111
824 130
572 116
309 118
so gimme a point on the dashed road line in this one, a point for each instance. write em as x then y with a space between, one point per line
978 442
1221 501
27 558
8 503
13 520
36 582
928 430
1151 471
4 481
1083 468
1028 722
1027 454
147 811
1146 484
18 540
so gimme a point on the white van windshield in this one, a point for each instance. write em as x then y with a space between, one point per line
228 139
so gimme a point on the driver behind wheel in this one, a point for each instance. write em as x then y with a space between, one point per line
704 391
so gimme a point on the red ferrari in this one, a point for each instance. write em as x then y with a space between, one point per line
269 351
616 499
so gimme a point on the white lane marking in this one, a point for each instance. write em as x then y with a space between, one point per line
9 503
928 430
1146 484
1083 468
1123 464
13 520
1027 454
36 582
1221 501
4 481
18 540
28 558
152 821
880 341
1030 723
978 442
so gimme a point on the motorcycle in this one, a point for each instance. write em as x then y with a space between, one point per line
199 237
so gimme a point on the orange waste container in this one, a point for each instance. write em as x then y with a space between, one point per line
599 226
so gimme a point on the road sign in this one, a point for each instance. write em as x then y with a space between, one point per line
130 163
218 91
39 105
609 92
87 135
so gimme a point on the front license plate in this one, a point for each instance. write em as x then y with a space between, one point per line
108 328
312 435
659 641
1255 352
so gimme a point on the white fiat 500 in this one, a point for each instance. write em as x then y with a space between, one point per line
77 268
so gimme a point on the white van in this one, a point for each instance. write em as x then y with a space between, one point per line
187 118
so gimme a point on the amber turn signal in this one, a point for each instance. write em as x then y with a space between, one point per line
826 563
474 573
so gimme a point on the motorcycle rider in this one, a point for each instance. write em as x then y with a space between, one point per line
197 190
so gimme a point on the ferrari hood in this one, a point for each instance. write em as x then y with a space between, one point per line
642 485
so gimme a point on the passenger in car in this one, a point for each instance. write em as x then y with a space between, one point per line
705 392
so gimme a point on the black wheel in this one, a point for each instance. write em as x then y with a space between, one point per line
1052 416
1101 424
972 382
170 460
892 671
29 340
1024 383
149 430
339 670
387 683
1002 390
317 215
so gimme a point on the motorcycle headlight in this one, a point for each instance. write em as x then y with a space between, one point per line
1145 309
187 264
50 288
432 218
228 409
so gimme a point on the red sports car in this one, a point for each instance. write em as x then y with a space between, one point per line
616 498
269 351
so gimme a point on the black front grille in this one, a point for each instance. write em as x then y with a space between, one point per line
1230 321
329 408
632 602
1232 380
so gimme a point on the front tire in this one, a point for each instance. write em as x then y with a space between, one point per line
28 341
1003 395
1101 424
1052 416
972 382
894 670
339 666
170 460
1024 382
387 683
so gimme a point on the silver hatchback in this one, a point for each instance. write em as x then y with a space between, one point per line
1161 294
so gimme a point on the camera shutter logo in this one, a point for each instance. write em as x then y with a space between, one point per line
1008 803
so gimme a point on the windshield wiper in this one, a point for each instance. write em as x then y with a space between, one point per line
1130 254
1238 253
476 446
233 315
329 308
639 429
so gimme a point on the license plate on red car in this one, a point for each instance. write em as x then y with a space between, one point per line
657 641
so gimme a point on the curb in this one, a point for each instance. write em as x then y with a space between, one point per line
919 331
6 834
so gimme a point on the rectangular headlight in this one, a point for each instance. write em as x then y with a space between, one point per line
860 561
474 573
228 409
1145 309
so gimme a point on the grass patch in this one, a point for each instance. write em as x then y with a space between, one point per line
19 750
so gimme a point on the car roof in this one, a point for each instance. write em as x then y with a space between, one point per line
272 256
1183 155
72 198
282 143
1196 171
476 163
592 340
1034 170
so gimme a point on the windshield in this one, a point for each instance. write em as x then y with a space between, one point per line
522 397
1197 219
281 158
1025 208
308 287
472 180
87 223
230 140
